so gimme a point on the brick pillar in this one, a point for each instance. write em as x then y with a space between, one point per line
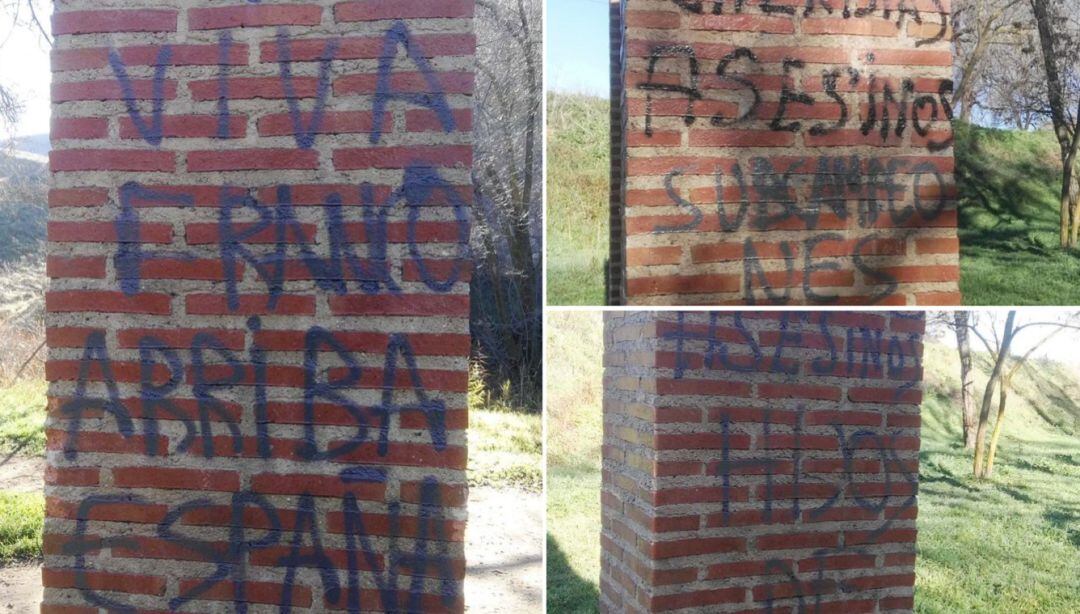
258 315
760 461
788 152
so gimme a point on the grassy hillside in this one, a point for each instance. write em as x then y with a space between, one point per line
574 346
1008 182
1008 545
1011 544
577 199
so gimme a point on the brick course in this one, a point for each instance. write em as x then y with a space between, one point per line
258 312
783 153
760 461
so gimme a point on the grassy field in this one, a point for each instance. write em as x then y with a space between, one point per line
22 432
1008 545
577 199
574 345
1011 544
1008 183
22 416
22 516
505 448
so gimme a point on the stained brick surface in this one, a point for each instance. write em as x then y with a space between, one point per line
760 461
258 311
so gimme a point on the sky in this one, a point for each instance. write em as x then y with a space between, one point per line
577 58
1061 348
24 69
577 46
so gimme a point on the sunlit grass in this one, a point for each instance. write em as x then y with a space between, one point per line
22 418
1010 544
22 518
578 179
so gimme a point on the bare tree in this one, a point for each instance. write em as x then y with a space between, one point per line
1057 26
998 338
507 312
967 376
20 14
981 29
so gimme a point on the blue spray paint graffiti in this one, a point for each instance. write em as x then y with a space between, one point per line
213 369
842 350
421 186
230 563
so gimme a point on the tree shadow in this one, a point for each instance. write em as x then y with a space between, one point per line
1015 493
944 476
1023 463
567 591
1005 193
20 444
1067 520
1062 400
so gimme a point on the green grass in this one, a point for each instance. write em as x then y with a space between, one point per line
505 449
1007 545
574 346
578 166
1011 544
22 517
505 439
22 418
1009 183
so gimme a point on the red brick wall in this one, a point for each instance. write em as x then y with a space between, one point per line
789 152
258 313
760 461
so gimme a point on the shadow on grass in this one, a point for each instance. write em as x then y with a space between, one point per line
566 590
1067 520
1062 400
1007 190
943 475
1016 493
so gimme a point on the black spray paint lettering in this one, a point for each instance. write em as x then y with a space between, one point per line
741 53
158 397
863 356
692 91
788 96
881 99
716 351
774 197
902 11
305 135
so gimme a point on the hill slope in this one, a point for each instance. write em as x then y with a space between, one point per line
578 170
1009 182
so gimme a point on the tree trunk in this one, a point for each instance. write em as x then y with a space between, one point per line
1074 207
988 394
967 378
1002 400
1066 198
1055 90
965 110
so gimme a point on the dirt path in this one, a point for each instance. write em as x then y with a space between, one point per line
504 548
504 545
21 474
20 590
